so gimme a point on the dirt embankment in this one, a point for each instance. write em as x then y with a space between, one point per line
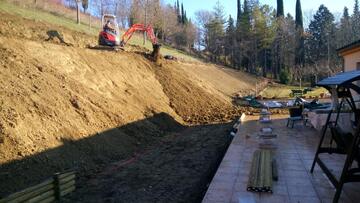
72 107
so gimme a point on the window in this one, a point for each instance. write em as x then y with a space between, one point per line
358 66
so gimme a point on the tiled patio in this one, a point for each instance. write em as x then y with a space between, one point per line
294 154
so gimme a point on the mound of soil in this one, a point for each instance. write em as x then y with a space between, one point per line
194 104
72 107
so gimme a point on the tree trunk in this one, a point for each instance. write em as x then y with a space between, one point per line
77 12
89 20
265 65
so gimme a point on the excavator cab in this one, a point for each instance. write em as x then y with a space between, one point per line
110 34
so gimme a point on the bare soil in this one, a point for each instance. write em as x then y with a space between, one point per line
64 106
177 170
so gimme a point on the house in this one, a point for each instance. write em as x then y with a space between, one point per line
351 55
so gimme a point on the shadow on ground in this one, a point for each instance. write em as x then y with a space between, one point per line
155 159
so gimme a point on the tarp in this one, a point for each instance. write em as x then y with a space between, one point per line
340 79
273 104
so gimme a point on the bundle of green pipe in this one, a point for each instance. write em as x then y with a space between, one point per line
261 174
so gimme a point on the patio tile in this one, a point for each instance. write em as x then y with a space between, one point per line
230 170
300 199
300 190
295 174
294 154
298 166
245 197
280 190
298 181
221 186
224 177
271 198
240 185
220 196
325 193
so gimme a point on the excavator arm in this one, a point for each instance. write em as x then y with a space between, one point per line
141 28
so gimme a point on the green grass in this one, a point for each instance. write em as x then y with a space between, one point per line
40 15
58 19
284 91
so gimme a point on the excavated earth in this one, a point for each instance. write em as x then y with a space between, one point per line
134 131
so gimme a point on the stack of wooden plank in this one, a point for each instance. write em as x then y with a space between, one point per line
49 190
261 174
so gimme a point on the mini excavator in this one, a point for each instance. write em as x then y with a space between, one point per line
109 36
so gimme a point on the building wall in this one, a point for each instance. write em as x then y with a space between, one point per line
352 61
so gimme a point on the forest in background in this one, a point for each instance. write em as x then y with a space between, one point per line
266 41
260 40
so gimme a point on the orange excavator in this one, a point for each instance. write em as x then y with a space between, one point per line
110 34
155 55
141 28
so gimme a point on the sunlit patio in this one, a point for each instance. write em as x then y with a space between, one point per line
294 153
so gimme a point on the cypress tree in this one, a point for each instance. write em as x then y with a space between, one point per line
299 49
246 15
299 15
182 14
238 19
185 18
280 8
245 29
229 41
178 11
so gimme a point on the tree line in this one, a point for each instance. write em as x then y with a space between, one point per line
170 22
264 41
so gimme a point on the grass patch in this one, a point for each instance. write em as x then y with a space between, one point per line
43 16
60 20
284 91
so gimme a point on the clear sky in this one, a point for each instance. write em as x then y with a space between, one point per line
308 6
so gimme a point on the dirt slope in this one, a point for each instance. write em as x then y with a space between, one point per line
69 106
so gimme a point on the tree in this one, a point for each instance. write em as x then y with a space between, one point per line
278 45
219 12
299 16
230 42
264 26
244 29
123 12
203 18
178 11
321 48
280 8
182 14
170 23
288 44
355 19
85 5
238 19
215 32
136 15
77 11
345 34
299 42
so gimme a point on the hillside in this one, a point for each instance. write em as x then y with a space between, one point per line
73 107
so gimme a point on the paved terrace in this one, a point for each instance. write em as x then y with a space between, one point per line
294 154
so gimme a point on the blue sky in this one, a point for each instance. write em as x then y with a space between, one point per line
335 6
